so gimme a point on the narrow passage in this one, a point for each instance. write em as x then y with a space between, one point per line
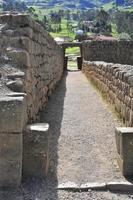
82 137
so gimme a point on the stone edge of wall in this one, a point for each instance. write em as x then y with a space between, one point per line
114 51
115 82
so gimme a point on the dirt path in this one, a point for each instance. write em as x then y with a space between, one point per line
82 142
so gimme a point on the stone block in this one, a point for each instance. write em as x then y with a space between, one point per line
21 20
124 144
35 164
35 150
12 114
10 160
16 75
19 56
15 85
22 42
25 31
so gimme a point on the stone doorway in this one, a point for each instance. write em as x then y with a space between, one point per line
70 60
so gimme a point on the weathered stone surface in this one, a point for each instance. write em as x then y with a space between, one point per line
10 159
36 138
35 165
16 85
36 63
115 82
124 142
120 186
16 75
93 186
19 56
35 150
12 114
108 51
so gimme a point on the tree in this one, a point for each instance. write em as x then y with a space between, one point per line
15 5
55 20
102 24
124 22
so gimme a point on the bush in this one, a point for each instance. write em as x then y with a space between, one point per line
124 36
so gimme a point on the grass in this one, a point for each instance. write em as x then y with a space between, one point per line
73 50
72 65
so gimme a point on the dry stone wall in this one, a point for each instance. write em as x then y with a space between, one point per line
115 81
31 64
37 57
108 51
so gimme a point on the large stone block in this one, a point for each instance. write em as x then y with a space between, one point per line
12 114
10 159
19 56
16 20
22 42
124 144
35 150
24 31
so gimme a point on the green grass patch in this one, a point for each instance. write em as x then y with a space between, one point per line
73 50
72 65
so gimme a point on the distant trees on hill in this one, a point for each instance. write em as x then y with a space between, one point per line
124 22
124 2
15 5
102 23
120 2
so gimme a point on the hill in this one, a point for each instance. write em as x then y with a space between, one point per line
75 4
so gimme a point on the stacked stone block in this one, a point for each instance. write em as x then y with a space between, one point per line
28 47
115 81
12 122
35 150
109 51
31 64
124 144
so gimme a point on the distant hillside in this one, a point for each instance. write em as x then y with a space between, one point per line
79 4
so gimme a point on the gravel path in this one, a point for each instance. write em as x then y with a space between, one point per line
40 194
82 141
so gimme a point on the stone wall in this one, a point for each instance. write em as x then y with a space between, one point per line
115 81
31 64
37 57
109 51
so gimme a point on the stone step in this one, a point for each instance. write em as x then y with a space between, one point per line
35 150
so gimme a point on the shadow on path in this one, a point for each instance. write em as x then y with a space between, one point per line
53 115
